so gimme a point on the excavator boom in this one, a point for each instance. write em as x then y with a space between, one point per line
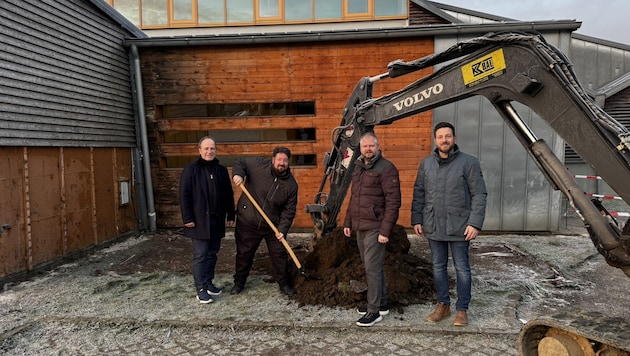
504 68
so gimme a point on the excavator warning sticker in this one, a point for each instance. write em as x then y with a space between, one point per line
484 68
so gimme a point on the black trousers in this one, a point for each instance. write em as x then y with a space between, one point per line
248 239
204 261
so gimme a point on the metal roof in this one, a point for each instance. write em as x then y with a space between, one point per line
358 34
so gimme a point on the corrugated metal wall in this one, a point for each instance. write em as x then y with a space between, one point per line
64 76
598 64
519 196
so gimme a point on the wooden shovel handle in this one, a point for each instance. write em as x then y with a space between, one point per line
273 227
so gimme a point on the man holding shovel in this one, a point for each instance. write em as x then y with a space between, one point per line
272 186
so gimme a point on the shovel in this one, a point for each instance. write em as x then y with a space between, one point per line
275 230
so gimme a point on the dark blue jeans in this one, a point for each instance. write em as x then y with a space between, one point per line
204 261
439 258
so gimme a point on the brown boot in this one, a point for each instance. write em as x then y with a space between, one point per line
461 318
442 310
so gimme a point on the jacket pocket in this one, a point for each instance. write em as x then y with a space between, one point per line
428 219
456 221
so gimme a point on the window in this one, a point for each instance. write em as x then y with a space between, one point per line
238 109
154 14
210 11
328 9
228 160
127 8
182 11
390 7
281 136
148 14
357 7
240 11
242 136
298 10
268 9
238 127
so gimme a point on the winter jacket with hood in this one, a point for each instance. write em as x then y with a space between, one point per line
276 194
375 196
448 195
205 190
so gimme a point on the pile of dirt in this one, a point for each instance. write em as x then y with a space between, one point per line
335 276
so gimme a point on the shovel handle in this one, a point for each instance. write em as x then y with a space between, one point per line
273 227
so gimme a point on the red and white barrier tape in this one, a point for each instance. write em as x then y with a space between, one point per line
614 213
586 177
603 196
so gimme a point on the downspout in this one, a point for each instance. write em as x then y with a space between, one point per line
142 124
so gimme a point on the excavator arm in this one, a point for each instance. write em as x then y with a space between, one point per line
504 68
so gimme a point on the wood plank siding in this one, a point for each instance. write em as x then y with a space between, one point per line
67 132
65 76
323 73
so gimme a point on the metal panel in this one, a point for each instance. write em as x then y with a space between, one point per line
597 64
519 196
65 74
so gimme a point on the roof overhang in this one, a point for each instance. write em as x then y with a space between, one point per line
354 35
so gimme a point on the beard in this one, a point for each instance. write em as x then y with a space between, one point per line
446 149
280 169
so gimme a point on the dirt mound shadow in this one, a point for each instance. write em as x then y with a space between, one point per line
335 276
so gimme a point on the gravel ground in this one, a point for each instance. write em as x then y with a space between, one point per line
84 307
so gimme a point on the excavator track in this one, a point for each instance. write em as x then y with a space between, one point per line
575 334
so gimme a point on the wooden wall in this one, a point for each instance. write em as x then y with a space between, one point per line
58 201
325 73
65 76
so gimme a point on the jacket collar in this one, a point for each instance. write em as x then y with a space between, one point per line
369 164
451 155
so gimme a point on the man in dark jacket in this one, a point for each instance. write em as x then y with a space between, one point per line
272 185
448 208
372 214
206 198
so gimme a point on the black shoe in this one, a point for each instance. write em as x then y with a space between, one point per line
369 319
237 289
213 290
203 297
383 310
287 289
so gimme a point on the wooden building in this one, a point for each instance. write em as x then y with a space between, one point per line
238 83
99 116
67 131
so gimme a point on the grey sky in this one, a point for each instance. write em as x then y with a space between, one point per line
607 20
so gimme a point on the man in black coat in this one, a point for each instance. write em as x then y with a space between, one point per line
206 199
272 185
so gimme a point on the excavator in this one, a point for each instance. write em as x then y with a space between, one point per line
507 67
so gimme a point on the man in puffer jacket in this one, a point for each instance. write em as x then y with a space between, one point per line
272 185
372 214
448 208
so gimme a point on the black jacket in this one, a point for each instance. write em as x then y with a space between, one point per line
276 194
205 191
